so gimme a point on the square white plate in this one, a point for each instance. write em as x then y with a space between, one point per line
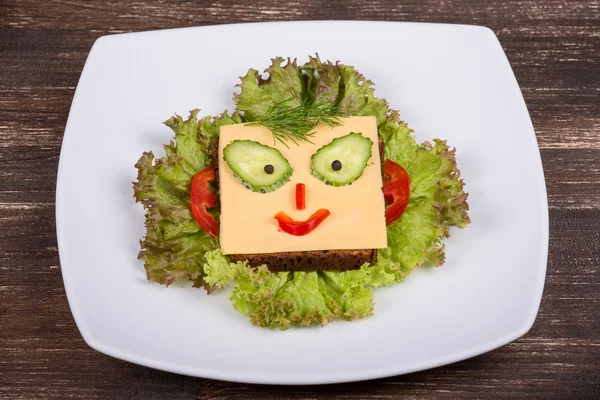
449 81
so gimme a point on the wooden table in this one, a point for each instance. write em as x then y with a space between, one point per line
554 48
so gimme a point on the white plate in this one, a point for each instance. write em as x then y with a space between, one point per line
449 81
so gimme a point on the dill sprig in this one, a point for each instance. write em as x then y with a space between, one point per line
296 124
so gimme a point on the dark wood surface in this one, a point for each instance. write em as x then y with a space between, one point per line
554 48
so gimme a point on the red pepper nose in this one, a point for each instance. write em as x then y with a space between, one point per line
300 196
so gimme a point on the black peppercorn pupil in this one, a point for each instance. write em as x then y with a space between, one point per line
269 169
336 165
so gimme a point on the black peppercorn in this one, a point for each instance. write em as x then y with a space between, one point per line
269 169
336 165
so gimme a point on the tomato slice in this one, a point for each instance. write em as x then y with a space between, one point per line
395 171
396 190
301 228
202 199
300 196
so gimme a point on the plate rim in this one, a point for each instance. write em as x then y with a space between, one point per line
294 379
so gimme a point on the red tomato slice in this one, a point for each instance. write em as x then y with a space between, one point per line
202 199
396 191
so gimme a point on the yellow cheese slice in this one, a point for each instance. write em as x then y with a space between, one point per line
357 220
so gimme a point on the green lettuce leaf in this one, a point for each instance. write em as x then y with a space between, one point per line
174 244
358 96
282 299
322 81
437 199
258 95
344 86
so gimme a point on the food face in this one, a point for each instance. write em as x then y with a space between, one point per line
213 237
340 171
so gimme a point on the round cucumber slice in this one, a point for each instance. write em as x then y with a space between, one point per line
342 161
259 167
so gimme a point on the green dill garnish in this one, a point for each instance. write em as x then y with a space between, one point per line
296 124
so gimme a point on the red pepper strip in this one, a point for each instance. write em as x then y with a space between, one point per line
301 228
396 191
300 196
202 199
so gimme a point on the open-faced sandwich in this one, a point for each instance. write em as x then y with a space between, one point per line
311 193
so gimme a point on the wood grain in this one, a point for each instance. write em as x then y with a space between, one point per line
554 48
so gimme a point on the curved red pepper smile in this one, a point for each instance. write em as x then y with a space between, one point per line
301 228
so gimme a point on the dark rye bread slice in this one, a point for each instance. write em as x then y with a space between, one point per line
322 260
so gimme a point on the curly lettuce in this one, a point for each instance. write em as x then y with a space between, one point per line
258 95
175 247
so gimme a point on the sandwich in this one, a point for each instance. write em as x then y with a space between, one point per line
324 249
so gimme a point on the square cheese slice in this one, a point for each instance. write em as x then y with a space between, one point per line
357 220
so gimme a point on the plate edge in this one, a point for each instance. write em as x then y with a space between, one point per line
103 348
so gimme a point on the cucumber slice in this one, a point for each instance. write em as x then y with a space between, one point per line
259 167
342 161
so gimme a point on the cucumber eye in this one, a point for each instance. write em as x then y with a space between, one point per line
342 161
259 167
